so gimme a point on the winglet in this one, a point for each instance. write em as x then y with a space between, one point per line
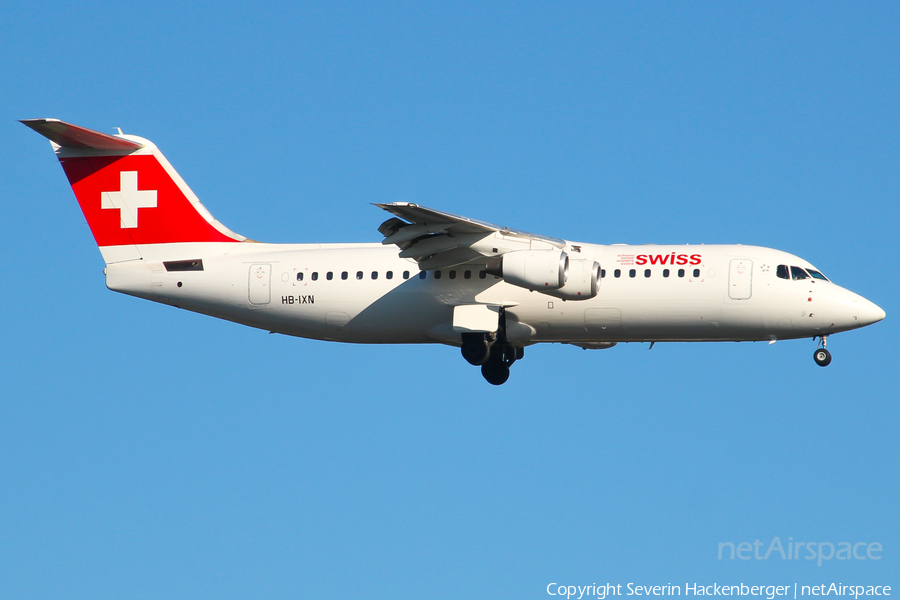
73 136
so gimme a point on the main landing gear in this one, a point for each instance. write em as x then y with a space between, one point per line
492 353
822 356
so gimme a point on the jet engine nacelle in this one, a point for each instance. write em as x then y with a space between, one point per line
583 282
539 270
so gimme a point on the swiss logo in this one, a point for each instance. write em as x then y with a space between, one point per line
668 259
128 199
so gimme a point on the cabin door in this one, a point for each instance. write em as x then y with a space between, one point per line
259 286
739 279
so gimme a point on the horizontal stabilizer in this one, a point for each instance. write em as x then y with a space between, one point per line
73 136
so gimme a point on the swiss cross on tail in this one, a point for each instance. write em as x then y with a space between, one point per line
128 191
128 199
138 199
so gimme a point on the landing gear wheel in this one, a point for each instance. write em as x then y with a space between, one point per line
822 357
476 352
495 372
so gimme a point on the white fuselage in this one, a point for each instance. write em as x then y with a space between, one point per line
733 293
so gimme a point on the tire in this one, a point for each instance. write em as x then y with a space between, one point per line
495 373
476 352
822 357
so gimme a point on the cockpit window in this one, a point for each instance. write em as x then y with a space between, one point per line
782 272
816 274
798 273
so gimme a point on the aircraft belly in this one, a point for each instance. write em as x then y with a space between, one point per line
640 320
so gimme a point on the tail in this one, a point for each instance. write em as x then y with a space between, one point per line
135 203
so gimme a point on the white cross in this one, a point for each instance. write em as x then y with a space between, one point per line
128 199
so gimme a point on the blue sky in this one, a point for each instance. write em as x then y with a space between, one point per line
147 452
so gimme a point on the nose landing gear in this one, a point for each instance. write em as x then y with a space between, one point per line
822 356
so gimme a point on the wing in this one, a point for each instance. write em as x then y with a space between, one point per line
438 240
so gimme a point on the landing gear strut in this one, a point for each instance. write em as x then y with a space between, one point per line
821 355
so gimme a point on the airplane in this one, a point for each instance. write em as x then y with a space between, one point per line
435 277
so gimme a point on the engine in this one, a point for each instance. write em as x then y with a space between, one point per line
540 270
583 282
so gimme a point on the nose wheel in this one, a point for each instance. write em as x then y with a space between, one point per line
821 355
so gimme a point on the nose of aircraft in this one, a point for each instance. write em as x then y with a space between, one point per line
869 312
849 310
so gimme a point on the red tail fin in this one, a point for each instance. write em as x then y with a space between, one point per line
128 191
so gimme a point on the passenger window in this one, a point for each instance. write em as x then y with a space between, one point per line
632 273
405 274
452 274
782 272
329 275
299 276
374 274
467 274
681 272
389 275
359 274
696 272
423 274
797 274
437 274
665 272
314 276
816 274
617 273
646 272
602 273
344 275
482 274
